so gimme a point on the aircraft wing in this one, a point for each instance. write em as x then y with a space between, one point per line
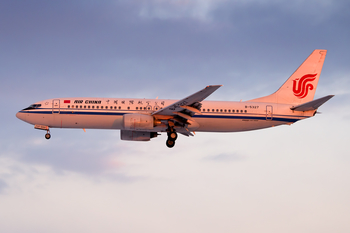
190 103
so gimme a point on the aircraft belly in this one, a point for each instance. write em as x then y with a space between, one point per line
233 125
89 122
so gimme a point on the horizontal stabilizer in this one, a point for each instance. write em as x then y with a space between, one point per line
312 105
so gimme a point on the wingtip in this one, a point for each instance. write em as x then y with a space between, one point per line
214 85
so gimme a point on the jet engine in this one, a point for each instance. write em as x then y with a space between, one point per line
130 135
139 122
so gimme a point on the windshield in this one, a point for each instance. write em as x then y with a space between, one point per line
33 106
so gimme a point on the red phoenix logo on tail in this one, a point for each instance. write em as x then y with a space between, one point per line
302 86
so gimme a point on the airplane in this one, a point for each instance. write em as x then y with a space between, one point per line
144 119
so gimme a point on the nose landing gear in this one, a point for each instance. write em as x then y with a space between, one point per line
44 127
48 135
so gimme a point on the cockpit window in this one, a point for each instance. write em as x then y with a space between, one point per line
33 106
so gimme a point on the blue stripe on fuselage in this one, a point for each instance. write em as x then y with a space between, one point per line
237 116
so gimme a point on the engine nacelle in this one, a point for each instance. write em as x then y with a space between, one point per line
136 135
138 122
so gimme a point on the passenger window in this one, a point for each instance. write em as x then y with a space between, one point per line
115 107
68 106
233 110
93 106
101 107
120 107
89 106
111 107
97 106
241 111
245 111
128 108
220 110
229 110
137 108
81 106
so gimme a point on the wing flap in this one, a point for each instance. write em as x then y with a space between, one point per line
187 134
187 117
192 109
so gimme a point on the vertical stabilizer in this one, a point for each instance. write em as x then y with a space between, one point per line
301 86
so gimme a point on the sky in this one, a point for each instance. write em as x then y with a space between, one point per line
284 179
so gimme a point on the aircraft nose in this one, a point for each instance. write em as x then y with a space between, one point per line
20 116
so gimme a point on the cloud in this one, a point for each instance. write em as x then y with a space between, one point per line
171 49
3 186
178 9
108 44
226 157
203 10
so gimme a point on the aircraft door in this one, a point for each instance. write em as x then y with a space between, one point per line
269 112
56 106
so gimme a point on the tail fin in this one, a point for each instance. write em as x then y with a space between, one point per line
301 86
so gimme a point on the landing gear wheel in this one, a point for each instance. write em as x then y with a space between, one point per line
172 135
47 136
170 143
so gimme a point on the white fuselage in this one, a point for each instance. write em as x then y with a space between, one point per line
142 119
107 113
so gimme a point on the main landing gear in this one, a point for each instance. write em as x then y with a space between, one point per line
172 136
